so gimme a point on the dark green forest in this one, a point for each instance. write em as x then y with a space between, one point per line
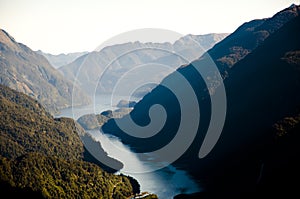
41 156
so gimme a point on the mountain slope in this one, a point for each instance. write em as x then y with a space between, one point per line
102 65
163 96
51 177
40 155
26 126
247 37
262 88
28 72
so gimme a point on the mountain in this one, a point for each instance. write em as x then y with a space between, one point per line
61 59
101 70
26 71
261 78
247 37
44 157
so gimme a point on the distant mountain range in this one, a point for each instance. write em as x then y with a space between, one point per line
29 72
100 71
61 59
260 65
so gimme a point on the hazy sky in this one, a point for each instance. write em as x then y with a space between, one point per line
63 26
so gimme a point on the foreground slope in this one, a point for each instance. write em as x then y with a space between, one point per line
44 157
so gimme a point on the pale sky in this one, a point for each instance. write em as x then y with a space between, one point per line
64 26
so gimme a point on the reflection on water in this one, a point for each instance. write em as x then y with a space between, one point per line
166 182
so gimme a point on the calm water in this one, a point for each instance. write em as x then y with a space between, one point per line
100 103
166 182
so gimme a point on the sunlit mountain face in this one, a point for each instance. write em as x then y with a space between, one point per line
29 72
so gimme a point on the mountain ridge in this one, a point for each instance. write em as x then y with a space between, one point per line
101 65
261 88
24 70
247 37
